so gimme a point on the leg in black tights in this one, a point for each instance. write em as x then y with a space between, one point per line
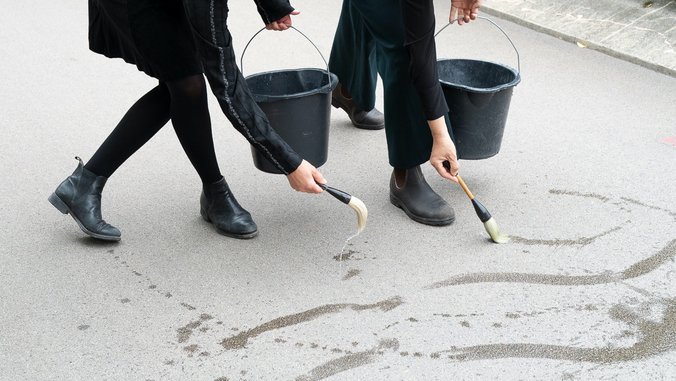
147 116
190 116
185 102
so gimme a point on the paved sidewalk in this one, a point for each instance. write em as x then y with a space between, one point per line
639 31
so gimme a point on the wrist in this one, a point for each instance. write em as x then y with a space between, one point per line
440 135
438 128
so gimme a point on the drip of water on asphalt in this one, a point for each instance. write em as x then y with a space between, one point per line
342 250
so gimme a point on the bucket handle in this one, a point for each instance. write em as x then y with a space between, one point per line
518 59
241 59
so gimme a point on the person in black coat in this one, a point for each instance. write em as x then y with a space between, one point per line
396 38
164 39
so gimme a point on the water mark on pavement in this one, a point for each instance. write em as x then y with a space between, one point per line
240 340
581 241
666 254
349 361
655 338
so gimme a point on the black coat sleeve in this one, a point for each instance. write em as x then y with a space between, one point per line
419 24
272 10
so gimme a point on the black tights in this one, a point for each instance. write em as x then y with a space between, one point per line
184 101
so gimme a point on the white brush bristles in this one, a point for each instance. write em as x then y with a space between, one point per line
362 213
493 231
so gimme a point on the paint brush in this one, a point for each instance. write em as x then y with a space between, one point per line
353 202
485 217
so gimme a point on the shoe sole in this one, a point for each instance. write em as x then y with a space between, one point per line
336 104
226 233
61 206
396 202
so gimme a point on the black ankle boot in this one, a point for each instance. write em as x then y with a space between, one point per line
80 196
219 206
418 200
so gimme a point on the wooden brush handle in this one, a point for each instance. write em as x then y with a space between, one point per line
464 187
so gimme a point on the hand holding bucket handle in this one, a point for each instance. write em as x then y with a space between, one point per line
518 58
241 59
282 24
466 10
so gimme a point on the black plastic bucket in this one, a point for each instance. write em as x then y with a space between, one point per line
297 102
478 94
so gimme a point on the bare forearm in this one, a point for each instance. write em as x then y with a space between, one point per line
438 128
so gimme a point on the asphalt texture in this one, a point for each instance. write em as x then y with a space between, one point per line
586 289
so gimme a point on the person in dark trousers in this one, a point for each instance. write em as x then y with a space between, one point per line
396 38
157 36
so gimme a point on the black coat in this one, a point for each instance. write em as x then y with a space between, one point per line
155 35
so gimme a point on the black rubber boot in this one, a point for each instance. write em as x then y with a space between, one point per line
80 196
219 206
366 120
418 200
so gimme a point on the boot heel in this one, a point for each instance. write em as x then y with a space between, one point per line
335 104
204 215
58 204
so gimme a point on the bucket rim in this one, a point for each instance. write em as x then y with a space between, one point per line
494 89
327 88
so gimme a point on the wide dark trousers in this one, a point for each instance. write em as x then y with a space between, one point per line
370 36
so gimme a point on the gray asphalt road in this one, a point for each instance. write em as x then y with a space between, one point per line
583 183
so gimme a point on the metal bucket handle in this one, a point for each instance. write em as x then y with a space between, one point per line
518 59
241 59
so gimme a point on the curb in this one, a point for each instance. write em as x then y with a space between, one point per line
590 45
